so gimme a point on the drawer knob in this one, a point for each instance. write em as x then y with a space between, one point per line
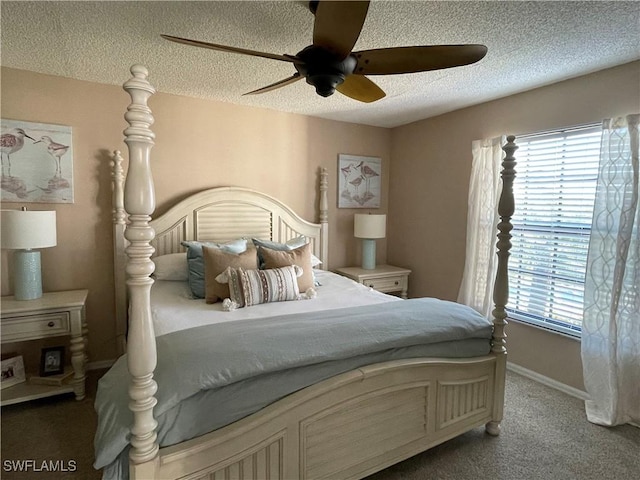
397 282
51 324
371 285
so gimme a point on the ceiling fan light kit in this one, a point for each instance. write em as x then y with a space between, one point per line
329 63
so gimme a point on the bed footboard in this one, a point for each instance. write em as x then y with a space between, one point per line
348 426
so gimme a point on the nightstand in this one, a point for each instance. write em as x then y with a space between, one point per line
384 278
52 315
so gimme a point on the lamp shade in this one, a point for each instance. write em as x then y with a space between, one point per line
26 229
369 226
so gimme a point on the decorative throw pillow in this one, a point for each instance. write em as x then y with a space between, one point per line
172 266
217 261
253 287
235 300
288 245
300 256
195 261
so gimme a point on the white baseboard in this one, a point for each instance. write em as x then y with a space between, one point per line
102 364
549 382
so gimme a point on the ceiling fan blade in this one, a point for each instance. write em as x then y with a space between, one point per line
338 25
287 81
224 48
387 61
360 88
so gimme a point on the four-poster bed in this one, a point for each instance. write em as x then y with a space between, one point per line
347 424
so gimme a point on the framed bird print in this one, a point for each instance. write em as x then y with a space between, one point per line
359 181
37 162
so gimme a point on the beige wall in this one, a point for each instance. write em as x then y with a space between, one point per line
199 144
427 212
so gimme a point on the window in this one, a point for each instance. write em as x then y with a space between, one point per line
554 193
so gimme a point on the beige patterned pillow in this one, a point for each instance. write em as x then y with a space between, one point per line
217 261
300 256
253 287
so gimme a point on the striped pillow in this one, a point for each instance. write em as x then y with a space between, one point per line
252 287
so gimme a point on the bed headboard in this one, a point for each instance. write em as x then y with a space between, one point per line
228 213
217 214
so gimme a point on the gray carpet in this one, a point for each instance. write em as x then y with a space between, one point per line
545 435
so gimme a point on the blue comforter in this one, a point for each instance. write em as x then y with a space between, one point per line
213 375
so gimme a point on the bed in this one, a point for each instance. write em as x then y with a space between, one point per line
350 410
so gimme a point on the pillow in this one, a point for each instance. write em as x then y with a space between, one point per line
253 287
217 261
288 245
300 256
172 266
196 262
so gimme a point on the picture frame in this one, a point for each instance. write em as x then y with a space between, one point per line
12 372
359 181
37 162
51 361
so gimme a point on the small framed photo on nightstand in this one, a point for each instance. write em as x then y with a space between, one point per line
52 361
12 371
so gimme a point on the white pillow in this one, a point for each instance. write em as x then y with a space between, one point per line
172 266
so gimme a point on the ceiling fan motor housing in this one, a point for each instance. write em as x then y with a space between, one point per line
323 70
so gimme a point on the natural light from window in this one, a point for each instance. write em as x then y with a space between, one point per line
554 193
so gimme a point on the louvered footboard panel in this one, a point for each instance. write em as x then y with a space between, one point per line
264 461
351 433
459 400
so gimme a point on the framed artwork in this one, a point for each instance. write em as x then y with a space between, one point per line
37 162
51 361
12 372
359 180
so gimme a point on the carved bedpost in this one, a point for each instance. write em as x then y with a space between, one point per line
120 259
505 210
139 202
501 288
323 207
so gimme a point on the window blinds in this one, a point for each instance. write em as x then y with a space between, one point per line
554 193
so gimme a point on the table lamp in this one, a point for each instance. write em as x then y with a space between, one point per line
25 230
369 227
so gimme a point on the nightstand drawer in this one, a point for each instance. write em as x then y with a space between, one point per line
35 326
386 284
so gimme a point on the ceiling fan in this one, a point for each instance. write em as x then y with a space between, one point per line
329 64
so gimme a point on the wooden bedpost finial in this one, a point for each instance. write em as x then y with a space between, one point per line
139 71
505 210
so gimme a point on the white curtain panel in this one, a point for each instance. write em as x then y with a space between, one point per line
611 325
481 262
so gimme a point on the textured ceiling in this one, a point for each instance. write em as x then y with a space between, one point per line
530 44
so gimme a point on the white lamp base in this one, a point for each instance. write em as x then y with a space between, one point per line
27 276
368 253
